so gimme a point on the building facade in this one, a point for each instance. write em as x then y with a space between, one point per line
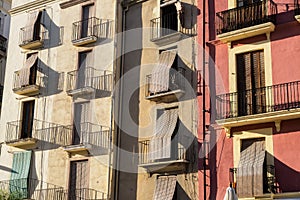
253 98
57 107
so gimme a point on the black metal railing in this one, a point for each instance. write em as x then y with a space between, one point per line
31 34
89 77
3 43
169 24
177 153
30 189
176 81
92 27
21 82
41 130
273 98
95 134
297 7
246 16
84 194
269 180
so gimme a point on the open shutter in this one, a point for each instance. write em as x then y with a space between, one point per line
161 72
20 173
160 144
165 188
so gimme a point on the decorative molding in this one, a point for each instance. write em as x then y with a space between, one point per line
278 125
30 6
70 3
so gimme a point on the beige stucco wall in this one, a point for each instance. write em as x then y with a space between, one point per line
52 165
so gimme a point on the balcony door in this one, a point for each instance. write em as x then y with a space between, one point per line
87 13
33 71
78 181
251 83
81 117
169 20
84 73
27 119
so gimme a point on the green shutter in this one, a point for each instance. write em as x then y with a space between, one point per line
19 174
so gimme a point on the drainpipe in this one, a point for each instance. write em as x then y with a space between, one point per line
203 100
120 92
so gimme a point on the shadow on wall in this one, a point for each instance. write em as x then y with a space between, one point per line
54 33
51 81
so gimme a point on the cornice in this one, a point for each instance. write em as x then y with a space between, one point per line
29 6
70 3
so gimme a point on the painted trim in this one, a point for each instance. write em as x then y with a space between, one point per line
30 6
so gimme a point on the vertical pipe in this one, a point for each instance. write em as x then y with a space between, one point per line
203 99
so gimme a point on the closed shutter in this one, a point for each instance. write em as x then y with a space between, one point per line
250 169
20 173
165 188
160 144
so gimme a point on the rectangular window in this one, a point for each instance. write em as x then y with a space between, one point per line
169 19
78 181
87 13
251 83
81 118
27 119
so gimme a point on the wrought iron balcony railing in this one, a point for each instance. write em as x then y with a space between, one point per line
246 16
84 194
297 7
176 82
177 153
40 130
269 181
35 81
92 27
30 189
3 43
168 24
30 34
89 78
273 98
94 134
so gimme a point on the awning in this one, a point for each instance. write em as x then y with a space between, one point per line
250 170
20 172
24 72
160 74
165 188
29 29
160 143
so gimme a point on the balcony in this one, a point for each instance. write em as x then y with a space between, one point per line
31 38
177 161
89 80
3 45
90 30
261 105
84 194
31 86
270 186
30 189
167 29
297 10
247 21
18 134
175 89
90 136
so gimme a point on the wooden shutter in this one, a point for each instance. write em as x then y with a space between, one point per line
78 179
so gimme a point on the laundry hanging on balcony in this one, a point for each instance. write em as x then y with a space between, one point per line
165 188
161 72
160 143
250 171
24 72
19 173
28 34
